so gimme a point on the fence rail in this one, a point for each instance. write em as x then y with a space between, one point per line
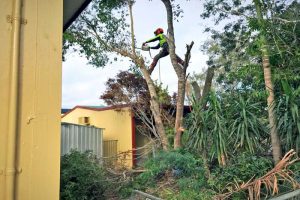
295 195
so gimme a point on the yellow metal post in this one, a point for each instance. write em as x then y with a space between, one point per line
10 170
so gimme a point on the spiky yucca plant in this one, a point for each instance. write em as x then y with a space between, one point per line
288 121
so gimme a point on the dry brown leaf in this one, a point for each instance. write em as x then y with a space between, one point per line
270 180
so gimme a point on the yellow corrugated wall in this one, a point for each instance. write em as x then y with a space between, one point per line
5 41
38 153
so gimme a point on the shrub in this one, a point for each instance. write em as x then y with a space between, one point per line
179 163
81 177
178 168
240 169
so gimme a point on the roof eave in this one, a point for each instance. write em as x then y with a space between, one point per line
69 17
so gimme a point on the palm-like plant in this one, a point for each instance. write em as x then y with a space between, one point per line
198 129
218 129
207 131
246 128
288 122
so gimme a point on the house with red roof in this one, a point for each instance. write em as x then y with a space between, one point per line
120 134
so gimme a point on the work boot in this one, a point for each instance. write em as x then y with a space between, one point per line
151 68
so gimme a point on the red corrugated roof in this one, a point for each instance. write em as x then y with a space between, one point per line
97 109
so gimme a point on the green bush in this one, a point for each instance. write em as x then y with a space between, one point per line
240 169
81 177
180 168
179 163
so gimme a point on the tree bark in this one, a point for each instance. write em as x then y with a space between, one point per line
180 71
130 2
154 106
208 82
207 85
197 90
179 111
276 148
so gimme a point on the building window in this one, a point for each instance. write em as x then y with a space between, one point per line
84 121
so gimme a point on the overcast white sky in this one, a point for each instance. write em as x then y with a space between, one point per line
83 84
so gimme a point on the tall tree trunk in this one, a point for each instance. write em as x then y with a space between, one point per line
206 89
207 85
276 148
197 90
130 3
154 105
180 71
208 82
179 111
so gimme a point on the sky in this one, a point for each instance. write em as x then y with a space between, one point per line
83 84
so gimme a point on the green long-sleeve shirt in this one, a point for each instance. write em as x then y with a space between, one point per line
160 37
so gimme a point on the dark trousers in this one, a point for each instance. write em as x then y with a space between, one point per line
163 53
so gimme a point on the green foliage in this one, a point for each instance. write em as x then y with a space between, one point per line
190 183
295 168
162 93
218 130
226 121
288 113
240 169
237 46
181 169
208 131
237 52
186 179
180 163
176 165
101 27
81 177
197 124
247 131
284 37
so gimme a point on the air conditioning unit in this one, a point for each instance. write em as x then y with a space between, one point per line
84 121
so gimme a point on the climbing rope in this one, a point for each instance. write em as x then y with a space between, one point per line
159 74
150 54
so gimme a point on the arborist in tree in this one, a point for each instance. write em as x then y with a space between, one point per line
162 44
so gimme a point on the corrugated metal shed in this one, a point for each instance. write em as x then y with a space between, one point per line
81 138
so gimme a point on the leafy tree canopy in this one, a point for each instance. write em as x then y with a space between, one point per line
99 29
